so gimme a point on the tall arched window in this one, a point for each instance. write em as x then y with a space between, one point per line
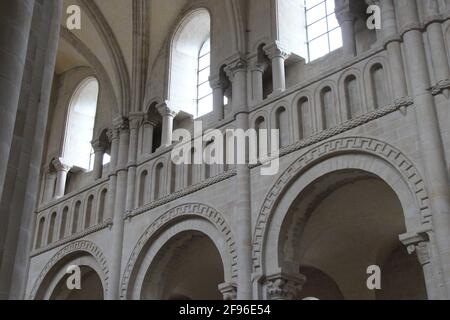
322 28
204 91
189 88
80 125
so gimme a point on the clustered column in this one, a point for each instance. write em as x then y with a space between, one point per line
431 145
237 72
119 208
393 45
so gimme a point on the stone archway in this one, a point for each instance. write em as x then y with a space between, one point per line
190 220
372 158
340 225
94 273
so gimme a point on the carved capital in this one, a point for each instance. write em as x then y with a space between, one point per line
121 125
136 120
228 290
217 83
99 146
282 286
417 242
238 65
276 50
60 166
166 110
259 67
113 134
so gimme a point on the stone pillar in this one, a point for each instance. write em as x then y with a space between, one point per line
418 243
431 146
436 40
347 22
218 88
148 128
257 71
99 152
15 23
119 210
228 291
278 55
61 176
389 33
135 121
237 72
168 115
49 190
113 136
283 286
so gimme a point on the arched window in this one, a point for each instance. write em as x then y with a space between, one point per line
88 216
76 217
282 124
78 150
380 91
51 229
322 28
143 188
189 88
304 118
62 230
352 97
328 110
40 233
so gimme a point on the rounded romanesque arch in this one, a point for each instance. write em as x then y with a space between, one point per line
85 250
366 154
188 217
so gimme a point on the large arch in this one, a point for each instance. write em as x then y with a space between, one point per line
367 154
195 217
82 253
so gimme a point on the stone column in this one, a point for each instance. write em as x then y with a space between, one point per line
119 210
135 121
49 190
418 243
390 35
237 73
436 40
218 88
278 55
148 128
431 146
257 70
113 136
61 176
228 291
15 23
168 115
99 152
347 22
283 286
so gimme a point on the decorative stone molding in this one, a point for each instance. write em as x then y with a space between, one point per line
175 214
228 290
275 49
181 193
75 247
60 166
282 286
418 242
107 224
441 87
166 110
238 65
328 149
343 127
